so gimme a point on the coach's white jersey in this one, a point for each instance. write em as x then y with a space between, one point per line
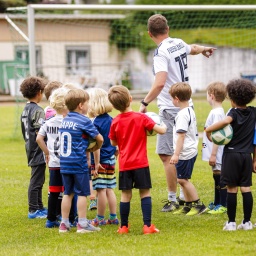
185 121
214 116
50 130
171 57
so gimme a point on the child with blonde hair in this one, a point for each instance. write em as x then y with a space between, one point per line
103 160
216 94
50 130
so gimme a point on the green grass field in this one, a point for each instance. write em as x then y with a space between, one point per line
179 235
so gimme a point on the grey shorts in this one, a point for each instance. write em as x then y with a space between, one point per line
164 143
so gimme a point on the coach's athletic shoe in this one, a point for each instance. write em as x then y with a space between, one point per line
123 230
37 214
63 228
245 226
218 209
150 230
93 205
229 226
183 210
180 201
170 206
52 224
114 221
86 229
197 209
96 222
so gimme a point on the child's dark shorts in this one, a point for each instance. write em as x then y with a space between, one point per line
236 170
55 180
76 183
137 178
184 168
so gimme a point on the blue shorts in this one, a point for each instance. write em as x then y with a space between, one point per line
76 183
184 168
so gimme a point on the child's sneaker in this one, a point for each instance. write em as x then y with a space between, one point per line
245 226
114 221
44 210
87 229
63 228
52 224
170 206
210 207
183 210
37 214
180 201
123 230
229 226
150 230
93 205
218 209
197 209
96 222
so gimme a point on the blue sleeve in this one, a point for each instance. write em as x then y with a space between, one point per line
254 140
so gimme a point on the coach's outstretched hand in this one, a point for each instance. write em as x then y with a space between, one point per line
208 51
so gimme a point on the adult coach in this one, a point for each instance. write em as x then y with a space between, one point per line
169 67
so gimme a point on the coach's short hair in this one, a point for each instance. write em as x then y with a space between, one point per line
158 25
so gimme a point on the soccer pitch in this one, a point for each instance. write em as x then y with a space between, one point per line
179 235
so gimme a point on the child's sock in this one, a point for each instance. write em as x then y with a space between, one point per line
231 205
223 195
146 206
100 217
216 178
65 221
181 196
112 216
172 196
83 221
124 213
247 206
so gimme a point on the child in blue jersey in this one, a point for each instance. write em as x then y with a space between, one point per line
103 160
50 130
74 133
32 118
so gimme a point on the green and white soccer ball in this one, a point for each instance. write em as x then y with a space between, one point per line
157 119
222 136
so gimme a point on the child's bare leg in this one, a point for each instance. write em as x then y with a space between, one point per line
189 190
111 197
81 206
66 205
102 201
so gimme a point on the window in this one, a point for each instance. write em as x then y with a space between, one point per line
78 59
22 53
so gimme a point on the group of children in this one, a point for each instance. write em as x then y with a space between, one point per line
75 115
